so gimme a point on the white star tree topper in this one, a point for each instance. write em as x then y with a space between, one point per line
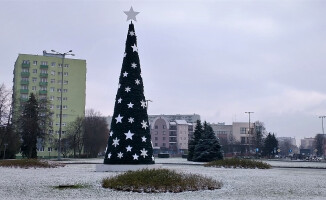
131 14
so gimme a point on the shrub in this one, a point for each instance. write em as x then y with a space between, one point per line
159 180
238 163
29 163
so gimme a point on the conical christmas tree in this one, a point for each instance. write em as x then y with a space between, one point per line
130 140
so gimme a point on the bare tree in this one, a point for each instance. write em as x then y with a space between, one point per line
95 133
75 135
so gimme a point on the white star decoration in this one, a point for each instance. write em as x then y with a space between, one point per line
124 55
130 105
128 148
129 135
119 100
143 104
111 133
131 33
119 85
135 157
125 74
153 158
127 89
120 155
109 155
137 82
133 65
143 139
143 152
134 48
119 118
131 14
144 124
116 142
131 120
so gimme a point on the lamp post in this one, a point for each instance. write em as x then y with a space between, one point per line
148 100
322 123
4 153
249 131
63 55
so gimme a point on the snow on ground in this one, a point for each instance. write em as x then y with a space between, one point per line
276 183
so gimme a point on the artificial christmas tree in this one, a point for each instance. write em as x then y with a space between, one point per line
130 140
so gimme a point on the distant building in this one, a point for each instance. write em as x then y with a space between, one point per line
307 143
287 146
42 75
170 133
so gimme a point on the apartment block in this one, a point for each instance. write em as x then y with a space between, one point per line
42 75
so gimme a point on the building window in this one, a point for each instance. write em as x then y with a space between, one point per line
25 70
43 88
156 138
64 132
64 124
41 149
156 127
65 90
52 80
44 71
50 131
65 73
24 79
53 64
51 98
34 62
49 149
59 65
34 79
34 88
156 132
66 65
53 73
164 127
24 87
243 130
64 107
58 98
60 73
58 106
65 98
156 144
58 90
24 96
34 71
163 132
25 61
65 82
163 144
51 106
44 80
163 138
52 89
243 140
44 63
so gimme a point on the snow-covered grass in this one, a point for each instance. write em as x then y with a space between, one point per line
275 183
238 163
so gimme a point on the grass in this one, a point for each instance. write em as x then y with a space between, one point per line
75 186
159 180
29 163
238 163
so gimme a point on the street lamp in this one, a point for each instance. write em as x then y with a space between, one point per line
4 153
148 100
322 122
249 131
63 55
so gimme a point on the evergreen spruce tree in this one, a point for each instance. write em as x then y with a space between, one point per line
30 129
208 147
270 145
194 140
129 139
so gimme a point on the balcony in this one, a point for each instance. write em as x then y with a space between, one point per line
43 75
24 82
44 66
43 83
23 91
43 92
25 74
26 65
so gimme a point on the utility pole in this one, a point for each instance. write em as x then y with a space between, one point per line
249 131
322 123
63 55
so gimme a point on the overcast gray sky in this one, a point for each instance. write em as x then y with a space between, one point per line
218 59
